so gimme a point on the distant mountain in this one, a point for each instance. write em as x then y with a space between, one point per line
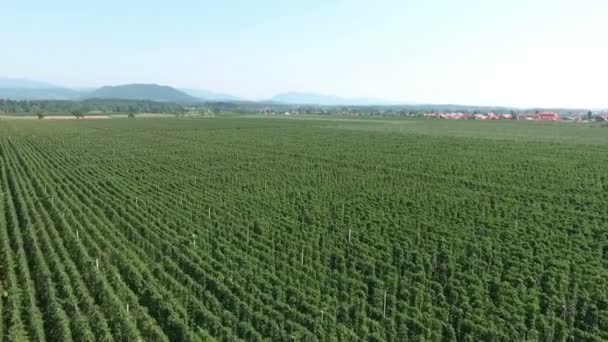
210 95
84 89
19 83
326 100
39 94
151 92
22 89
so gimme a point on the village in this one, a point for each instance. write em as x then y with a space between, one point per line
462 115
539 116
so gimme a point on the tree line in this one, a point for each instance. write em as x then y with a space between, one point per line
91 106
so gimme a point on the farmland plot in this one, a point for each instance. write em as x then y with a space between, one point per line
278 229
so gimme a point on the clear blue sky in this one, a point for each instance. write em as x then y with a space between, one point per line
511 52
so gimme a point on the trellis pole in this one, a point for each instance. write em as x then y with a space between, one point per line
384 315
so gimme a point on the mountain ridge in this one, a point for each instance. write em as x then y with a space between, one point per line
141 91
23 89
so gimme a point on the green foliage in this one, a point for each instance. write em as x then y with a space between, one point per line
78 113
308 230
50 107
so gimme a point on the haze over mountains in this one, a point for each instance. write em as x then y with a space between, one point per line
21 89
24 84
210 95
327 100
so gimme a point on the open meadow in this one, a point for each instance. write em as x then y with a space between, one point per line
303 229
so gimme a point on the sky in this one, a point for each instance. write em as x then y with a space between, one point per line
482 52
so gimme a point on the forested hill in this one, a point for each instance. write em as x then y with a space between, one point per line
152 92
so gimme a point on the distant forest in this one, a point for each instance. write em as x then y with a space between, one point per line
116 106
49 107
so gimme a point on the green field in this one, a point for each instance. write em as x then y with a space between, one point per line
303 229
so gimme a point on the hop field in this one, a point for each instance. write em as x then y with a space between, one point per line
299 229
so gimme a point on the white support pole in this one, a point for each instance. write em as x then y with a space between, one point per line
384 304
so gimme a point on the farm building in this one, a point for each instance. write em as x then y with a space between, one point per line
543 116
454 116
548 116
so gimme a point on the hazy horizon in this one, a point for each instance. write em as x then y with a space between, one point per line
517 53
